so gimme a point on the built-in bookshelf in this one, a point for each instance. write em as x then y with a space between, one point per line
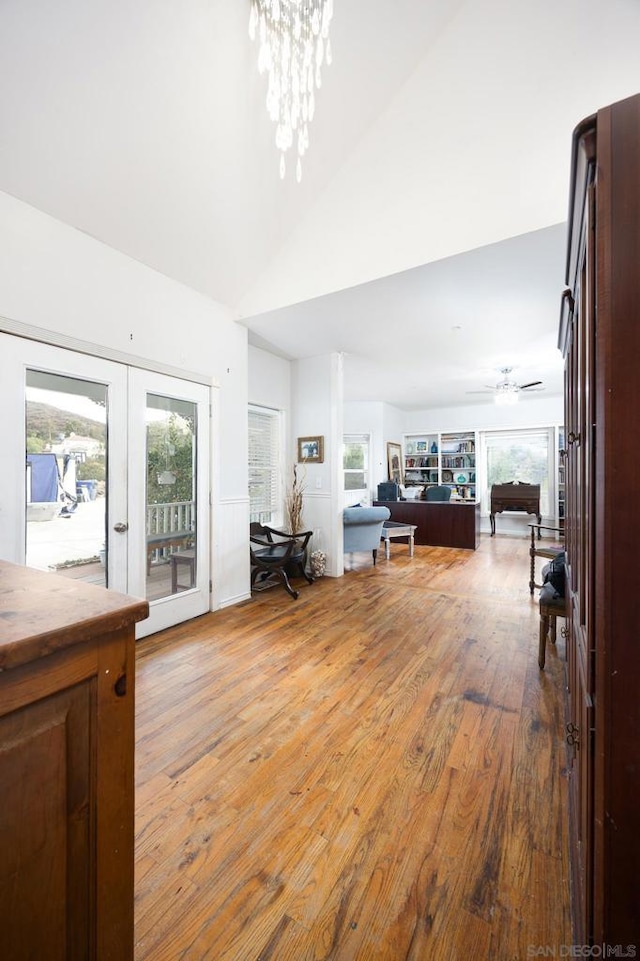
421 460
442 458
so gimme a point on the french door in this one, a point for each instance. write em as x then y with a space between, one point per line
168 503
105 476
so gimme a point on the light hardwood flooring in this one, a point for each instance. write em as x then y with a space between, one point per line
374 771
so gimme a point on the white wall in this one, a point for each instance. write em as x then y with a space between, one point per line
269 380
317 410
230 441
385 423
528 412
393 429
61 280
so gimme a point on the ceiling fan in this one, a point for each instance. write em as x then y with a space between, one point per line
506 390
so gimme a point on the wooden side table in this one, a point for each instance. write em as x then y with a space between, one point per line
187 558
397 529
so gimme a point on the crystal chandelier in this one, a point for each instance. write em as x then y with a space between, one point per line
294 43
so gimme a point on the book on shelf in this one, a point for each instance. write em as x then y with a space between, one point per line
458 461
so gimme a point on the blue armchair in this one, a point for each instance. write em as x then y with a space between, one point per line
363 528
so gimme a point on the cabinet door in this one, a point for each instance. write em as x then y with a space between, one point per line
580 462
580 453
46 827
580 738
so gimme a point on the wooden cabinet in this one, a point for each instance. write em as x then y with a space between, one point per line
600 341
66 768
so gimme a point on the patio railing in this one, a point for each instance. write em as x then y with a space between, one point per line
167 518
178 518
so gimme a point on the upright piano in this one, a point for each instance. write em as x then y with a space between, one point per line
514 496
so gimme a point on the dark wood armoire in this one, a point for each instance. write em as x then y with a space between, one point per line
600 340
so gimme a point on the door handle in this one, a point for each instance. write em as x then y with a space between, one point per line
120 527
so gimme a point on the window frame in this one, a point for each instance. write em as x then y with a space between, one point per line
358 492
548 496
268 510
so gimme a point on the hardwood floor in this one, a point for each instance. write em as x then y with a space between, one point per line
374 771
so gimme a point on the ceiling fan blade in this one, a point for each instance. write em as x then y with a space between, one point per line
490 391
534 383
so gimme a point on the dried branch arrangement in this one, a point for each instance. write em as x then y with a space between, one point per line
294 501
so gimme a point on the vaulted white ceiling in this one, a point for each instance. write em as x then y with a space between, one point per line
442 126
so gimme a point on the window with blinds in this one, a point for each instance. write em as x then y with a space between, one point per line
264 465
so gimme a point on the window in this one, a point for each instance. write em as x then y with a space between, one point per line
355 462
264 465
520 455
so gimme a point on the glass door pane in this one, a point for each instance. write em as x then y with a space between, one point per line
171 496
66 473
168 562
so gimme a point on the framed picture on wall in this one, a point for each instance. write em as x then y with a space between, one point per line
394 462
310 450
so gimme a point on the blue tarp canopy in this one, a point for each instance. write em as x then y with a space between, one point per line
45 477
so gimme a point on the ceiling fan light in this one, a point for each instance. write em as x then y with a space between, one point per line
505 397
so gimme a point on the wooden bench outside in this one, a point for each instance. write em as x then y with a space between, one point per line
167 540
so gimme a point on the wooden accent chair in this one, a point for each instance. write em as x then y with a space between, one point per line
538 549
551 607
553 602
279 553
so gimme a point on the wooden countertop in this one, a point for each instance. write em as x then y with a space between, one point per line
42 613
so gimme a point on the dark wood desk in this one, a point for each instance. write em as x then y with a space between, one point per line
452 524
514 497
